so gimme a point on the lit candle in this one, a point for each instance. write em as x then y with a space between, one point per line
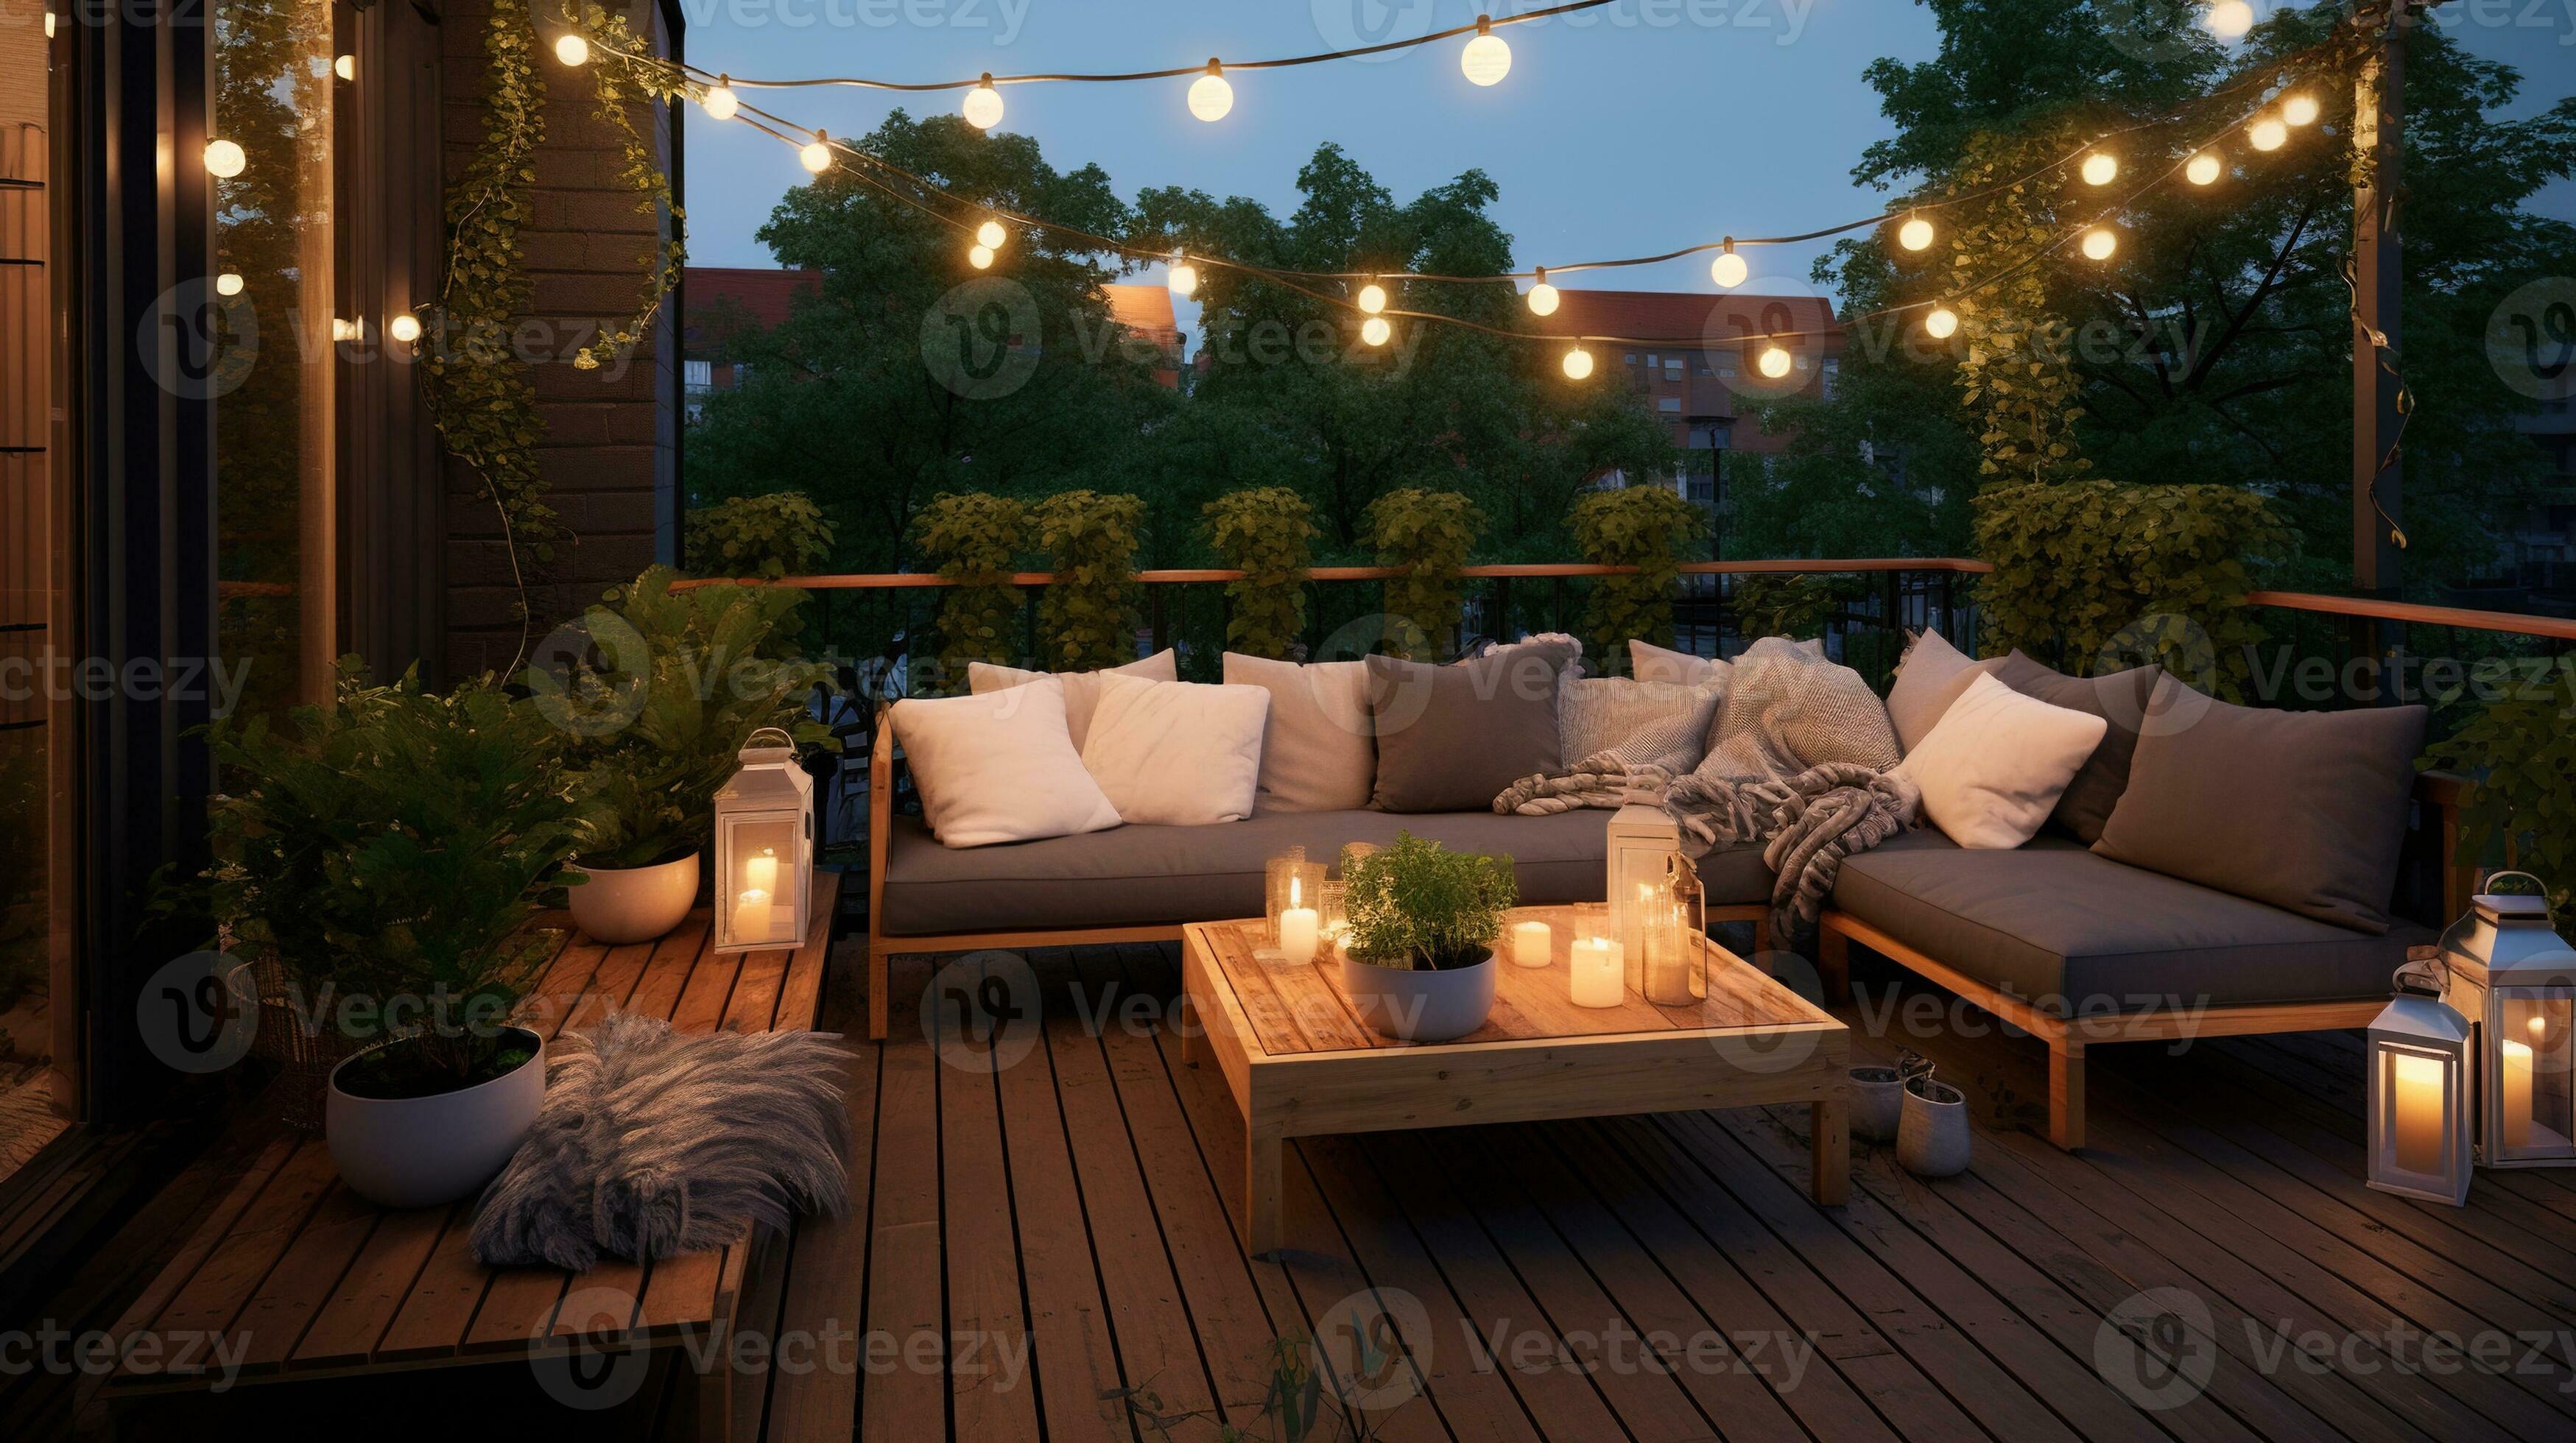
1533 943
751 914
1297 929
1599 971
2516 1093
760 873
2419 1113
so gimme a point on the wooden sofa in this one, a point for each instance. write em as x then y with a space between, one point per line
1988 939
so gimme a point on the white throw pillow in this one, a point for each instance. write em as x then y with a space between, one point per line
1081 688
1932 675
1318 751
1995 765
1649 662
999 767
1177 753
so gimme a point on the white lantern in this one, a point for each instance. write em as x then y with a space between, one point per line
2419 1096
2514 979
764 848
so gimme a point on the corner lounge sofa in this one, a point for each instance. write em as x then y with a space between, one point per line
2014 932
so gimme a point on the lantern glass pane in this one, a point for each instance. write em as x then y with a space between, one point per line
2535 1102
758 889
2415 1092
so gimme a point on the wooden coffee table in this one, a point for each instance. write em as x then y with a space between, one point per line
1300 1062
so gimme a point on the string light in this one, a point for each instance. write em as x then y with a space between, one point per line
1774 361
1375 330
991 235
2101 168
983 107
1372 298
1915 234
980 257
2299 109
2100 242
572 49
1542 296
228 284
817 153
1729 269
346 67
720 101
1184 279
1210 96
404 328
1578 364
1941 323
2268 133
1486 60
347 330
2230 19
2204 168
224 159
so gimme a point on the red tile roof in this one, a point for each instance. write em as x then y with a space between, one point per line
1688 319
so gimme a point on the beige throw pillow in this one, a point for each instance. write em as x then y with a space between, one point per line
1081 688
999 767
1649 662
1317 753
1994 767
1642 723
1928 680
1176 753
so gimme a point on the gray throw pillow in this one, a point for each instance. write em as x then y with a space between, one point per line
1931 675
2303 810
2120 699
1642 723
1450 738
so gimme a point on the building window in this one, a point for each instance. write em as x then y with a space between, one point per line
1671 404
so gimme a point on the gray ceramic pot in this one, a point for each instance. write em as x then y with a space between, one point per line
1877 1100
1932 1137
1420 1006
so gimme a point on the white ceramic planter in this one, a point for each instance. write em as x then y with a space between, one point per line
1932 1137
1420 1006
1877 1102
633 904
417 1152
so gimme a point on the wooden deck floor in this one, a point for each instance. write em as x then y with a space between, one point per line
1045 1250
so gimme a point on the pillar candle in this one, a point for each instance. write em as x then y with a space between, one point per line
2418 1102
760 873
1533 944
751 914
2515 1094
1599 972
1297 929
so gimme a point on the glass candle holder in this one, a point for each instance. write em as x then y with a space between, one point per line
1294 920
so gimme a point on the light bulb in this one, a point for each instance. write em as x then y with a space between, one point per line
404 328
346 67
980 257
1375 330
347 330
1542 298
2100 168
2099 242
1729 269
2268 134
2229 19
817 155
990 235
2203 169
1210 96
1915 234
1774 362
1372 298
573 50
228 284
1184 278
1941 323
1486 59
224 159
720 101
2299 109
984 104
1578 364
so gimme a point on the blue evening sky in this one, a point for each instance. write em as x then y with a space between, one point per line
1637 128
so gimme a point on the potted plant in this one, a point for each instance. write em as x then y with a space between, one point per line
655 709
1418 958
382 853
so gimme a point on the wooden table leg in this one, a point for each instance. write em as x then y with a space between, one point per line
1188 1024
1263 1158
1829 1149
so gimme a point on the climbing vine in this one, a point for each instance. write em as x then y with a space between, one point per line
1427 536
619 80
1268 534
1646 527
974 539
1088 617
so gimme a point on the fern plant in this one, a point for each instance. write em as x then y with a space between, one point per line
1268 534
1427 537
1649 528
974 539
1087 617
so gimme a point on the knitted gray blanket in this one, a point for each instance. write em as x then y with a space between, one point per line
1806 824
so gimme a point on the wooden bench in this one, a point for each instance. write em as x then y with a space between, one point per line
303 1279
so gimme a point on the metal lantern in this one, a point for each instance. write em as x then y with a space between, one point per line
764 848
2419 1094
2515 981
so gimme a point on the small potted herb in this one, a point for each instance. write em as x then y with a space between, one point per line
655 712
383 853
1418 961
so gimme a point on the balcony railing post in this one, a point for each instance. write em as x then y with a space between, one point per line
1154 610
1029 622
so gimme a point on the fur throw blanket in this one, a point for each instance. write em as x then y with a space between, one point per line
654 1143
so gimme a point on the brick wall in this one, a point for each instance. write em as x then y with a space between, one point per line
610 455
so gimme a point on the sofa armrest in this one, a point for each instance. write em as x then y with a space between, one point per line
880 813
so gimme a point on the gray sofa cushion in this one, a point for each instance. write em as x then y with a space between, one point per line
1149 876
2054 923
2120 699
